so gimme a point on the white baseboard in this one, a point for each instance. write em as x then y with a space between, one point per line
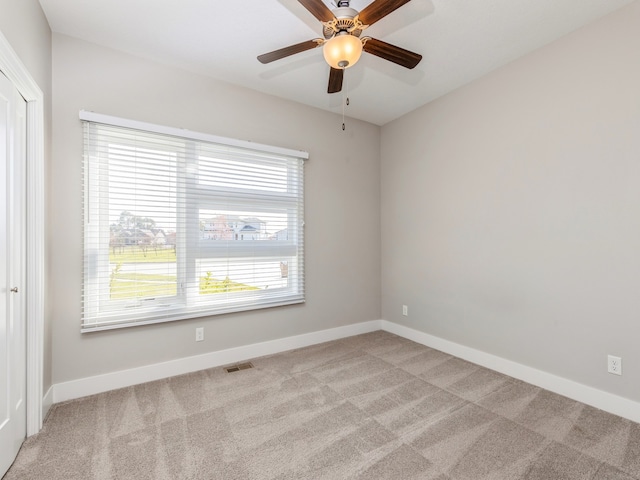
82 387
591 396
47 401
110 381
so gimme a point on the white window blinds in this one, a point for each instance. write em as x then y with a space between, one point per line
180 224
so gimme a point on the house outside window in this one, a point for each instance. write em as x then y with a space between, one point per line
180 225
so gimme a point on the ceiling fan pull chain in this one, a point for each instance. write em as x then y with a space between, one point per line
343 125
345 101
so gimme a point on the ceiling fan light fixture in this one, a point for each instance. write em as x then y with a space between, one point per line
342 51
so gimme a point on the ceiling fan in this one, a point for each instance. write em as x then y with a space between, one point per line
342 44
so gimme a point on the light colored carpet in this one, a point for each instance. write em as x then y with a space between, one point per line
374 406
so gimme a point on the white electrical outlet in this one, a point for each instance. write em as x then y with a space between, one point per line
405 310
199 334
614 365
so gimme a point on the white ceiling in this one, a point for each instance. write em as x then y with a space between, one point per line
460 40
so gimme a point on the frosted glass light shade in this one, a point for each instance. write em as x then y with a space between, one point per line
342 51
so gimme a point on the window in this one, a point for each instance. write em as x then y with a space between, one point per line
179 224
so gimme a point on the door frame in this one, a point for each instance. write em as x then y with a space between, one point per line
17 73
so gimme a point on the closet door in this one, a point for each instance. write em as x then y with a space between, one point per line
13 420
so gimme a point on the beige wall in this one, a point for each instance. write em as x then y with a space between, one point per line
25 27
511 209
342 205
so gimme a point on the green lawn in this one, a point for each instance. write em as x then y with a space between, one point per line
210 285
134 285
142 285
135 254
145 285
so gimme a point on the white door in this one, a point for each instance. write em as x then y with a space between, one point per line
13 419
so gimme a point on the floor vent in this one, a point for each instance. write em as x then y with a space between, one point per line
237 368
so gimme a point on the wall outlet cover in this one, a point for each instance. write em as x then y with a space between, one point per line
614 365
199 334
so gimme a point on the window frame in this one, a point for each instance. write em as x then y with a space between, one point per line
100 313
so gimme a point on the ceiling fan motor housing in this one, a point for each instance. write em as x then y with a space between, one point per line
344 21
